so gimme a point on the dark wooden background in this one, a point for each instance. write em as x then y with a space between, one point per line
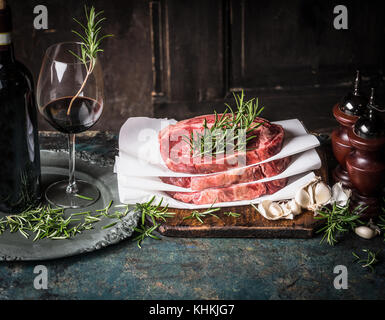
174 58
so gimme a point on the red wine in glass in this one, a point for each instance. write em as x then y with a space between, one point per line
85 112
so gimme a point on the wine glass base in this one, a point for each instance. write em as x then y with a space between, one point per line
57 195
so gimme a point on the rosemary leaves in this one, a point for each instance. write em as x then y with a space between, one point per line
231 131
90 45
368 261
52 223
337 219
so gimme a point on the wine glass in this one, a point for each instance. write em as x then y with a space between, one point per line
70 98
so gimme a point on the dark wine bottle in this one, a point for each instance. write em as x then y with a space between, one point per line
19 146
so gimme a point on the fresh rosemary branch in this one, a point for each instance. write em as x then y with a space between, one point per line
145 232
48 222
154 212
200 215
90 45
337 219
369 261
230 131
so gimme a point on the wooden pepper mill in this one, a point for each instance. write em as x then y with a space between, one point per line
366 163
346 113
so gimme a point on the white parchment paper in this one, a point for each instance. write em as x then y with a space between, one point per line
135 195
139 153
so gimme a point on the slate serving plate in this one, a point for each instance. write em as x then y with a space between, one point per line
13 246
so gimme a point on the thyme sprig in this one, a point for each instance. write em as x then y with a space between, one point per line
230 131
337 219
369 261
201 215
90 45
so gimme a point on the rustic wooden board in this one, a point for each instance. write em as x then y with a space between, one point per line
249 224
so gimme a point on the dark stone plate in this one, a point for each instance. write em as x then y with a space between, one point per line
13 246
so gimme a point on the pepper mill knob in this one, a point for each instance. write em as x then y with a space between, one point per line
370 125
354 103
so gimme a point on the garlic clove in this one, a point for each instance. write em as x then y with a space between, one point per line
310 191
275 210
302 198
295 208
322 193
365 232
340 194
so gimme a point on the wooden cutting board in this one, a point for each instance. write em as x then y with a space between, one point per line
249 224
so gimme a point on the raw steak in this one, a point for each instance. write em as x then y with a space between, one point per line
176 152
234 176
236 192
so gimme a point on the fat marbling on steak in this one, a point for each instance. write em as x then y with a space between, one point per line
176 152
235 192
233 176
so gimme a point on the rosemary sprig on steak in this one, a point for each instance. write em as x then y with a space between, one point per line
231 130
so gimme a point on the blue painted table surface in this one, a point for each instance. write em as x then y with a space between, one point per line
176 268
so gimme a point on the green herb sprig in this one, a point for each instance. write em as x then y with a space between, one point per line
90 45
230 131
337 219
381 224
232 214
201 215
46 222
154 212
369 261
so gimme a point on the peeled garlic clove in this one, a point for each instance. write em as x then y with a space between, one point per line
365 232
302 198
295 208
322 193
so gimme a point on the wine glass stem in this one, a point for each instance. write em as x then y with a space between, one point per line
72 187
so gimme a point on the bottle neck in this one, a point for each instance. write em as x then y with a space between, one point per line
6 48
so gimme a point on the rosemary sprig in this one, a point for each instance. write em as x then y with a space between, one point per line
90 45
367 262
51 223
145 232
200 215
232 214
154 212
382 220
230 131
83 197
337 219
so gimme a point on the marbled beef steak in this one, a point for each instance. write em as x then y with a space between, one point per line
234 176
176 152
236 192
230 182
